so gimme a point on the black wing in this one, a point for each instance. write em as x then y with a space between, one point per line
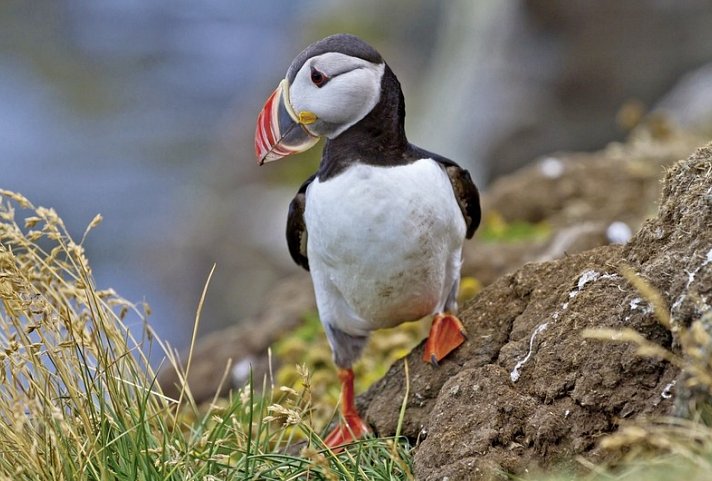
466 193
296 228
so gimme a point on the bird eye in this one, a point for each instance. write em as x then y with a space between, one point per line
318 78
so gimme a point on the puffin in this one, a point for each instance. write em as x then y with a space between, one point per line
381 224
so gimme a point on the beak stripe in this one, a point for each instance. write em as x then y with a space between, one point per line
266 125
274 141
265 138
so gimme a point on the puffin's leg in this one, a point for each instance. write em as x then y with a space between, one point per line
446 332
346 349
351 427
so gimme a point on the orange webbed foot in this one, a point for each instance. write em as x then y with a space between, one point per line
352 427
446 334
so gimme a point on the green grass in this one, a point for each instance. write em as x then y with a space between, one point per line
79 400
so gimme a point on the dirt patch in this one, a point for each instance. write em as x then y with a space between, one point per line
526 390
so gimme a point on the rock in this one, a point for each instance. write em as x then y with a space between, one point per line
583 197
689 102
527 390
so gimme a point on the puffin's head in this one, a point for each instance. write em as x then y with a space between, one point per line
329 87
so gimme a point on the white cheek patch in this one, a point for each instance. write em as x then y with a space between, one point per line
353 90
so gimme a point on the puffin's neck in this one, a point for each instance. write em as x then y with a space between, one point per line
377 139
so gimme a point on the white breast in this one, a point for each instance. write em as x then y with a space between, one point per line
384 244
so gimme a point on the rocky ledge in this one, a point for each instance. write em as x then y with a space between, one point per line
527 390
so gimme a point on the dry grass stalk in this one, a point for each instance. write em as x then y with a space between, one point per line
78 398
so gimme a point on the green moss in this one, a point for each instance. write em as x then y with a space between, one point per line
496 229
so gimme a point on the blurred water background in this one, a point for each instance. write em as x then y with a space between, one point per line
143 111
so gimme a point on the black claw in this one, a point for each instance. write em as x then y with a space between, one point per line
434 360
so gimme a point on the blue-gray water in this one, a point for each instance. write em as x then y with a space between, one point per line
116 107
